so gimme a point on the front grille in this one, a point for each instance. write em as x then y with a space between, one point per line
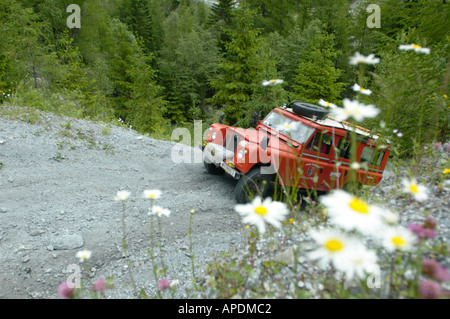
232 141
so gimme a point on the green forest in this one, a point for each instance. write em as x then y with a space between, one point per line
159 64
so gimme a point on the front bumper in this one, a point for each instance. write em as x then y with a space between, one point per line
220 157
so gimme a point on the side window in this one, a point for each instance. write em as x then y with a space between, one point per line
344 148
372 156
378 158
320 143
367 155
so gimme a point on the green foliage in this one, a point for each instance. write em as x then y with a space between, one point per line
317 77
130 58
240 67
187 62
146 106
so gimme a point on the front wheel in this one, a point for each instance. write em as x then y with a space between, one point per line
253 184
213 169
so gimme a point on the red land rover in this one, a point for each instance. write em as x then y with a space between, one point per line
297 146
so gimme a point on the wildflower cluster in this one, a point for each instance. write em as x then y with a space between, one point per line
71 290
67 290
353 221
154 210
5 96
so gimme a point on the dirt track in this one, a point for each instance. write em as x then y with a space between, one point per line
58 180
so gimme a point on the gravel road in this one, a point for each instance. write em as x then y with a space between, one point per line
58 180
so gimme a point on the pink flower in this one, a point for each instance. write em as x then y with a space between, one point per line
437 146
64 291
421 232
442 274
430 223
433 269
429 267
429 289
163 284
99 286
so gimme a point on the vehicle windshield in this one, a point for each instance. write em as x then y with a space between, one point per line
285 125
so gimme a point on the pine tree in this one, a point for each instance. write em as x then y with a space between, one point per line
317 77
136 14
145 107
222 10
195 62
240 68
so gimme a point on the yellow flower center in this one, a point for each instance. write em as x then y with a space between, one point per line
328 103
359 206
334 245
414 188
398 241
261 210
416 46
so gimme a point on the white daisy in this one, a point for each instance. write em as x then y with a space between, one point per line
419 191
332 246
327 104
358 58
354 109
152 193
414 47
398 238
390 218
122 195
350 212
159 211
272 82
83 255
359 89
260 212
358 262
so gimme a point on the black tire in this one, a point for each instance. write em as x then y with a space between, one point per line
254 184
213 169
308 110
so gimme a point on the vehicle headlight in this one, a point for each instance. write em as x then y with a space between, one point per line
241 153
243 143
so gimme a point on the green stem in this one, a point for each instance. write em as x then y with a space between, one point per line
125 249
160 245
151 253
191 246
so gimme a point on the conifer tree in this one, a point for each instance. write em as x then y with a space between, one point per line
240 68
317 77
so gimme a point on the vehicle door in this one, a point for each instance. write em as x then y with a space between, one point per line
316 162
